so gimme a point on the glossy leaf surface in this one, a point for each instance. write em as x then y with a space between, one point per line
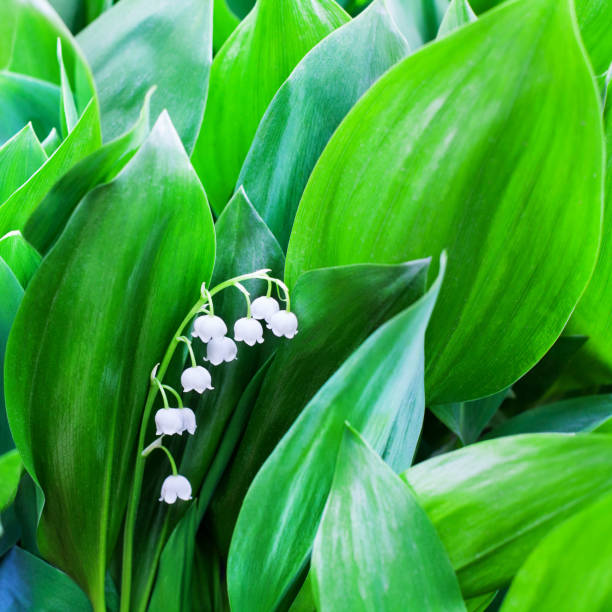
276 34
141 43
448 151
283 152
376 549
155 216
273 538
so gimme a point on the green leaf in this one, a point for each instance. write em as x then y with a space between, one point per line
84 138
27 583
468 419
493 501
20 256
50 216
155 216
51 142
568 416
448 151
337 309
272 541
283 153
418 20
68 111
570 570
276 34
10 473
459 13
11 292
20 157
141 43
224 23
26 100
376 549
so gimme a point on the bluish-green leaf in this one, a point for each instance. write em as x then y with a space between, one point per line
375 548
458 13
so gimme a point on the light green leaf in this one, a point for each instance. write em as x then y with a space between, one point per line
20 256
10 473
283 153
337 309
418 20
376 549
272 541
459 13
84 138
51 142
493 501
468 419
567 416
68 111
20 157
276 34
155 216
449 151
27 583
48 219
26 100
141 43
570 570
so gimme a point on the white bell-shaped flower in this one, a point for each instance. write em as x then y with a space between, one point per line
197 379
283 323
248 330
208 326
173 487
264 307
219 350
168 421
188 420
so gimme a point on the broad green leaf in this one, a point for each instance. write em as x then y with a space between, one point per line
244 244
224 23
592 315
458 13
468 419
337 309
272 541
376 549
27 583
10 473
11 292
20 157
418 20
276 34
493 501
570 570
141 43
448 151
567 416
48 219
28 43
26 100
155 217
20 256
283 153
84 138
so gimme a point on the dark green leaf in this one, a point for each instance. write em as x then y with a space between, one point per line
224 23
449 151
155 216
376 549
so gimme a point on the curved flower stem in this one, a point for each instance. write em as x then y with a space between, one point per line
170 458
246 294
162 391
175 393
187 341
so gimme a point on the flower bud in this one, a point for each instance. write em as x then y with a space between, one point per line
283 323
248 330
219 350
209 326
264 307
173 487
197 379
168 421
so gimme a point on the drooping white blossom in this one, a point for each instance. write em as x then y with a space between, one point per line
264 307
248 330
219 350
283 323
197 379
168 421
188 420
208 327
175 487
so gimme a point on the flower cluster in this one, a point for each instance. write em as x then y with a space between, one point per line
212 331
